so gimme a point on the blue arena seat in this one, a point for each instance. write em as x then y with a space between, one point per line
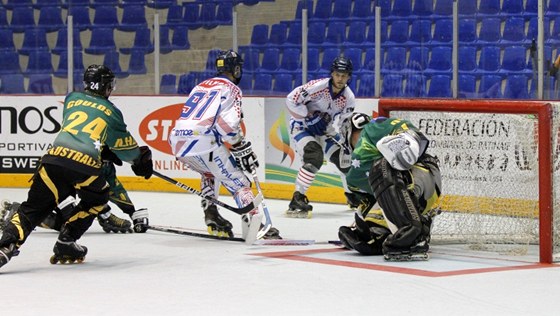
142 41
137 62
467 86
263 84
313 60
440 60
366 87
62 41
73 3
98 3
392 86
294 34
180 38
133 18
50 18
186 83
161 4
259 35
329 54
490 31
443 32
467 8
12 84
489 8
402 8
112 60
224 13
415 86
105 16
443 9
290 60
467 31
7 40
490 87
440 87
168 84
370 36
246 83
278 34
125 3
283 83
34 39
517 87
423 8
533 28
271 60
356 34
554 37
80 17
39 62
316 33
395 59
514 31
467 58
399 32
12 4
174 15
323 10
418 58
9 62
336 34
78 63
362 9
369 59
531 7
251 61
420 32
40 84
489 60
514 59
191 15
299 8
207 16
385 6
341 10
355 55
512 7
22 19
211 60
3 17
102 40
164 43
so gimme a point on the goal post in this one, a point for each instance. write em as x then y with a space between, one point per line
500 169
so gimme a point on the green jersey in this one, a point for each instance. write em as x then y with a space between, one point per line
366 152
89 122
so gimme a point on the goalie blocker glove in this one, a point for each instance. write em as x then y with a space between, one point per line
244 156
143 165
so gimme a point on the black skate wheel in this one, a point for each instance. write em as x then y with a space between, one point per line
53 260
107 230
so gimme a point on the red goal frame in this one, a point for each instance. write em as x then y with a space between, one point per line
542 110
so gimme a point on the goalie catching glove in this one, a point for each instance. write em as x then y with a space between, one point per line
143 165
402 150
244 156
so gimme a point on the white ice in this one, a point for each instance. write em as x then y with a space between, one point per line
166 274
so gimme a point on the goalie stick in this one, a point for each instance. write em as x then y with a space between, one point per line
268 221
239 210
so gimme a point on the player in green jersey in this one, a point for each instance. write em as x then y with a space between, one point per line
72 166
390 166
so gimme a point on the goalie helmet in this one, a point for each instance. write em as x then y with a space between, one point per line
342 64
100 80
230 62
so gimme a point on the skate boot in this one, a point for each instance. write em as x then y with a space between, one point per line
273 233
352 200
217 225
418 252
50 222
6 253
7 210
299 206
66 250
114 223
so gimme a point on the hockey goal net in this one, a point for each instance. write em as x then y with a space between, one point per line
500 171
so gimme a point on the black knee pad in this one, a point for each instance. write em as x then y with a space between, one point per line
313 154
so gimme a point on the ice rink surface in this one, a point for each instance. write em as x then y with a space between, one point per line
160 273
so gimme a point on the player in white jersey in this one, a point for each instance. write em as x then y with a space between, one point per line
212 116
314 107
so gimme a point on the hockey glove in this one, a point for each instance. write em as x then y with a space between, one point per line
108 155
244 156
143 165
140 220
317 123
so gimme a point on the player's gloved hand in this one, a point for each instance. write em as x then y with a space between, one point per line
108 155
317 123
140 220
143 165
244 156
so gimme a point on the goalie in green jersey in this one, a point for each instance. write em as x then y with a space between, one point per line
390 166
72 167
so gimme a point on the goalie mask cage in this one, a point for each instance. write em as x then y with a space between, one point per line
500 171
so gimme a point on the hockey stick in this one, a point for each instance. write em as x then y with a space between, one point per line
242 210
268 221
181 231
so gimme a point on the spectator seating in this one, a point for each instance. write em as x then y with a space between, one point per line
40 84
490 87
80 17
133 18
467 86
78 62
9 62
415 86
366 86
186 83
137 63
207 16
168 84
12 84
34 39
112 60
142 41
7 40
341 10
263 84
22 19
271 60
102 40
50 18
278 34
282 83
392 86
105 16
180 38
290 60
516 87
440 87
62 41
39 63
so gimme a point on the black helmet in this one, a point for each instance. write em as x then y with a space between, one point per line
99 79
342 64
230 62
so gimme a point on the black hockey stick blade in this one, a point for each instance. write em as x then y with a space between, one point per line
182 231
239 210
